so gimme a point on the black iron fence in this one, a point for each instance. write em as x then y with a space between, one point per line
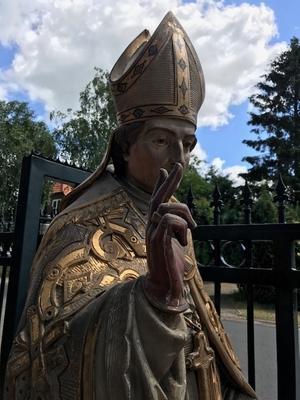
17 251
282 273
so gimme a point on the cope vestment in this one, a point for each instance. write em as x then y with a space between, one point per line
88 332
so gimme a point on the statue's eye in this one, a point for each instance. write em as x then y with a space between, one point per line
188 145
161 141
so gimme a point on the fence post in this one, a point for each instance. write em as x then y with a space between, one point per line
190 202
288 371
217 203
281 197
18 279
247 202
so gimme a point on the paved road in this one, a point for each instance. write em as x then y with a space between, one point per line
265 355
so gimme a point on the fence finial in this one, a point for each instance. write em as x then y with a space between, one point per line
281 197
190 201
247 202
217 203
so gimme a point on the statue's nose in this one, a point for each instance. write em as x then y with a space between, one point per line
177 154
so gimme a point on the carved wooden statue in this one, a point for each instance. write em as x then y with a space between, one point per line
116 307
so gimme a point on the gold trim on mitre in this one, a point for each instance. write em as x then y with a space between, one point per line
158 76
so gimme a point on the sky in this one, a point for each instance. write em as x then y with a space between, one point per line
49 48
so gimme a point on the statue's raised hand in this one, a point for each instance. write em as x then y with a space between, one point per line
166 234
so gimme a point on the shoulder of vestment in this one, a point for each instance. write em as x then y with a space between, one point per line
87 248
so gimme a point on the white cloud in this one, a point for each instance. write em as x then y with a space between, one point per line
218 163
198 159
3 94
60 41
3 87
232 172
199 153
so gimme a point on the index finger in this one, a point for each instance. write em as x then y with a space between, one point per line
165 190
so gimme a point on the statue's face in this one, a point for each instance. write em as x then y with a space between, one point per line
161 144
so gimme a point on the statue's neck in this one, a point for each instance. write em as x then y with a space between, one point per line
140 198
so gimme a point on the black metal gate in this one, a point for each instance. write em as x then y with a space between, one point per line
16 266
284 277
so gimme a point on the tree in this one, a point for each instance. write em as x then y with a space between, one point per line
264 210
229 195
82 135
201 190
20 134
276 121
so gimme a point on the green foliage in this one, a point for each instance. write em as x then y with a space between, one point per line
82 135
201 190
276 121
20 134
192 179
264 210
293 214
